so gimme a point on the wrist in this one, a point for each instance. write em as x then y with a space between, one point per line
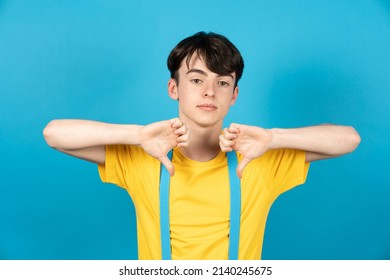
287 138
140 135
275 138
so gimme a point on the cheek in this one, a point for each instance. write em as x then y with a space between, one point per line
187 94
186 100
227 99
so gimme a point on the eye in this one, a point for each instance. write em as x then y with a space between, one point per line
223 83
196 81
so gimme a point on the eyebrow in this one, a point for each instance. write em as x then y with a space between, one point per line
201 72
196 71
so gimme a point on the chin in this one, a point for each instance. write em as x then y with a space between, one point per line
208 123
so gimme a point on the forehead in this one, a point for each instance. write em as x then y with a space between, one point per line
194 61
197 61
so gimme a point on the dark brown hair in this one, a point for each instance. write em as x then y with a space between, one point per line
220 55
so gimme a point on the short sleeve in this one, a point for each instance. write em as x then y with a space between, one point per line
285 169
129 167
117 161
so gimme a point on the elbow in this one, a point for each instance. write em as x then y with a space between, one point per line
354 139
50 133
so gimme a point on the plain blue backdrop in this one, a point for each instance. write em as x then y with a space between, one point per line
307 62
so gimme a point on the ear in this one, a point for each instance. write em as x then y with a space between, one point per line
234 96
172 89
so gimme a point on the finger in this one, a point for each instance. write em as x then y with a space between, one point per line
183 144
176 123
224 148
234 128
229 135
240 168
181 130
226 142
182 138
168 165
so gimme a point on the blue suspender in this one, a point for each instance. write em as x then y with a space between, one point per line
164 212
235 209
235 206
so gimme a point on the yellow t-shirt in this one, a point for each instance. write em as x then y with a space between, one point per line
200 199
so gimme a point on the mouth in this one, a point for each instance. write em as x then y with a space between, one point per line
207 107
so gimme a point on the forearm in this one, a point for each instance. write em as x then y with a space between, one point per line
70 135
331 140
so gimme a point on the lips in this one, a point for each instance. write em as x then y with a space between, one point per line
207 107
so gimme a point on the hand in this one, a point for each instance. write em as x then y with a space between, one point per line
158 138
250 141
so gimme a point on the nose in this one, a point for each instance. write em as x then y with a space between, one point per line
209 91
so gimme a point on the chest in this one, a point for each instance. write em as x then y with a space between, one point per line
200 196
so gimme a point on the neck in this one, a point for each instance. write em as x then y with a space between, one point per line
203 143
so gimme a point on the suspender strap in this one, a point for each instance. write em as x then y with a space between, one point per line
164 211
235 209
235 206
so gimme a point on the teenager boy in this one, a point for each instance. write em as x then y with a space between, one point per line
205 70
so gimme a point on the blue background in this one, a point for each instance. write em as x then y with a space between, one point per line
307 62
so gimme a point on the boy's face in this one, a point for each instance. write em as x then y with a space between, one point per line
204 96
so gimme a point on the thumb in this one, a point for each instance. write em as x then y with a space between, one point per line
241 166
168 165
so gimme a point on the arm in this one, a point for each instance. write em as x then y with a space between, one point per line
87 139
319 142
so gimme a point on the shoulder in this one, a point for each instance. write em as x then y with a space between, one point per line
129 155
274 161
127 150
277 155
